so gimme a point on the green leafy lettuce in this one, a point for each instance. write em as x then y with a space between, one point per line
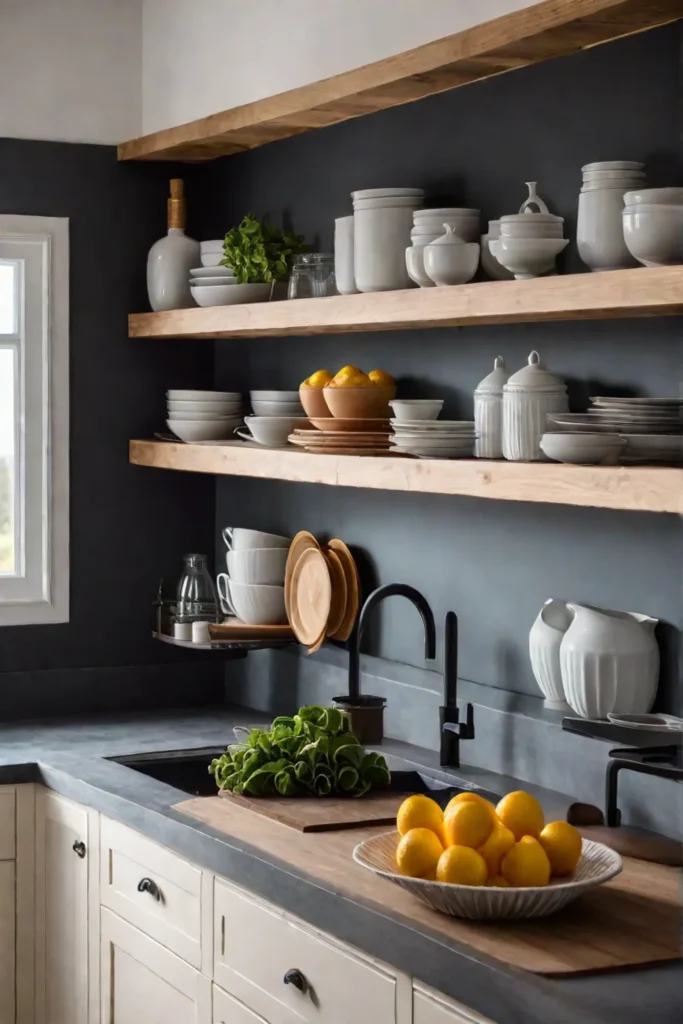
259 252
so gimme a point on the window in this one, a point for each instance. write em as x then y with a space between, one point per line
34 420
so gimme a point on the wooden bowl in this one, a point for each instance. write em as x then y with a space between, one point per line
314 402
359 403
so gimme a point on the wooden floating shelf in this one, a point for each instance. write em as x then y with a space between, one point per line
553 28
609 295
635 488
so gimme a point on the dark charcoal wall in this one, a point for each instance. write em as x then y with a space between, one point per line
494 563
129 526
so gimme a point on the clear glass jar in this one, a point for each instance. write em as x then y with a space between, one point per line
196 594
312 276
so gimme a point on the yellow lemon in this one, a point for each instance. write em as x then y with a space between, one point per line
461 865
420 811
562 844
522 814
418 852
381 378
360 380
346 371
318 379
473 798
467 824
526 864
496 846
498 882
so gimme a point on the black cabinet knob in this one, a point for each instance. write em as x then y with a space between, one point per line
150 886
79 848
297 979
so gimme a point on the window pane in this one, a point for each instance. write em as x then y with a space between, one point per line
8 298
7 461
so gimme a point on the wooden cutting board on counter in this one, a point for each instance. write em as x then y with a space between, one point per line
330 814
634 920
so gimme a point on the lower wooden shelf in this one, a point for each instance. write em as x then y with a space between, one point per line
635 488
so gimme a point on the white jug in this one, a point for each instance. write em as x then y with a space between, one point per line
545 638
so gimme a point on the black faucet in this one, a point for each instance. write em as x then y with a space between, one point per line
389 590
452 729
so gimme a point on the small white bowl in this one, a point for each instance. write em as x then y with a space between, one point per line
200 430
211 259
212 282
451 264
415 266
204 396
655 197
528 257
270 431
408 410
230 295
600 450
187 409
203 272
206 417
274 396
277 408
213 245
654 234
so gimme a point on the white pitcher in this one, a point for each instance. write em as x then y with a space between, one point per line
609 662
545 638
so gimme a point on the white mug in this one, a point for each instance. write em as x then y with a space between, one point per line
236 538
255 604
257 565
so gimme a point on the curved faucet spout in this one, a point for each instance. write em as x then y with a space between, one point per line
390 590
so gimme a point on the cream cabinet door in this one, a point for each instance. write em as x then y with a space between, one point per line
67 910
7 948
431 1008
144 983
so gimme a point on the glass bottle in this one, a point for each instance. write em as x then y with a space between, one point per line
196 594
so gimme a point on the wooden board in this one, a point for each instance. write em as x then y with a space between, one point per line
632 921
632 843
237 630
638 488
328 814
542 31
612 294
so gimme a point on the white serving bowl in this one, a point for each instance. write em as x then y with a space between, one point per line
271 431
200 430
654 234
407 410
491 265
203 396
203 272
599 450
416 267
274 396
528 257
277 408
598 864
188 408
451 264
211 259
230 295
655 197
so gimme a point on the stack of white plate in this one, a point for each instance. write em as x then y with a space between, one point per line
218 286
652 427
434 439
204 415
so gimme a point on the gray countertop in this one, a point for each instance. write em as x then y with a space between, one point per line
70 758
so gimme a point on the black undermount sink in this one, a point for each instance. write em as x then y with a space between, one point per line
187 770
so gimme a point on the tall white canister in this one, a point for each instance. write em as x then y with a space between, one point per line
528 397
488 412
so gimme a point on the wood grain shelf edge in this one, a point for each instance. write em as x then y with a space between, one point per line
552 28
633 488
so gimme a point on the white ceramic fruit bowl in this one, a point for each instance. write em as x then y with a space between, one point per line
192 431
527 257
598 864
230 295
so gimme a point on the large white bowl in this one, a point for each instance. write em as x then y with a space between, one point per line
230 295
407 410
598 450
655 196
200 430
212 282
187 409
598 864
528 257
654 234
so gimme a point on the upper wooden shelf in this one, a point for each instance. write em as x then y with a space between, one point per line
635 488
609 295
541 32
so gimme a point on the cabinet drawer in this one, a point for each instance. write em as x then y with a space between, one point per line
168 905
227 1010
432 1008
7 823
255 946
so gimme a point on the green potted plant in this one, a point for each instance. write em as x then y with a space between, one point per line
259 252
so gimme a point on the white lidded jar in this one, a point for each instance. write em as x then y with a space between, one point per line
488 412
528 397
172 258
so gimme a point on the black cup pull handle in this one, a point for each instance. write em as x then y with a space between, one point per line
148 885
297 979
79 848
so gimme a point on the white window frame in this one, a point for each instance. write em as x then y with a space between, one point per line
39 592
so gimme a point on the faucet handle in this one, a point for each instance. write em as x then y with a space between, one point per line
451 722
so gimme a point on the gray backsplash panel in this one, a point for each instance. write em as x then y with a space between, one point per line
493 563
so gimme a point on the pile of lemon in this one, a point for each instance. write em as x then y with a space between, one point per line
349 377
474 843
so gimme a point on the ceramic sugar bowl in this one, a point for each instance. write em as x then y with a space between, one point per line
528 397
488 412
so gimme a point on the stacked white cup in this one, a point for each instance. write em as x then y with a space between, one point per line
253 588
599 230
382 219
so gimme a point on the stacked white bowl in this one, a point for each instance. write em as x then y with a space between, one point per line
428 225
204 415
530 241
214 285
653 225
276 403
418 431
599 229
382 219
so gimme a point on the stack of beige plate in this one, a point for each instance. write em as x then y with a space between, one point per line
337 436
322 591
